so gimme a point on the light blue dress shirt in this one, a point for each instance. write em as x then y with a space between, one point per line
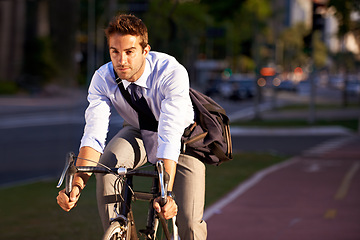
166 89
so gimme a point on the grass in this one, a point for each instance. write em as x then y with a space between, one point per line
319 106
352 124
31 211
7 87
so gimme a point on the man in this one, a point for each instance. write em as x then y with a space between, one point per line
165 86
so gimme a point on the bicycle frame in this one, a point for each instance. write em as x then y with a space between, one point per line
160 181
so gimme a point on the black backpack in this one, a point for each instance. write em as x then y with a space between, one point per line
209 138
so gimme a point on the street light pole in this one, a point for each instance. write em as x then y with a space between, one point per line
91 40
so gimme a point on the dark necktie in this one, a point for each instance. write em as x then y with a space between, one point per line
147 121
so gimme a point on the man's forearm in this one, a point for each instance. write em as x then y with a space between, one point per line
85 153
170 168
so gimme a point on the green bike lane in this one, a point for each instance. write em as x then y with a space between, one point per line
312 196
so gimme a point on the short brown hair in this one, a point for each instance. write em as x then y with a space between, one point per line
128 24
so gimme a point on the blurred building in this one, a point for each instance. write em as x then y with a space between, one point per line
331 39
315 14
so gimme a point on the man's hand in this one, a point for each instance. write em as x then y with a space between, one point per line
169 210
67 203
80 179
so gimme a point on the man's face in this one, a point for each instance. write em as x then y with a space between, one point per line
127 56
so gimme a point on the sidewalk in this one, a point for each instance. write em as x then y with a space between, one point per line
315 196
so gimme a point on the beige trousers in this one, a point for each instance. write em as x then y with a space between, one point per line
126 149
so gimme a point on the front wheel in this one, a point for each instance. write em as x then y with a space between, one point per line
117 231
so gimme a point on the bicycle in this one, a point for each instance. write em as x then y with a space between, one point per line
123 226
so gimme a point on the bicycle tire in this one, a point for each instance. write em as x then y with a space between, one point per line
118 231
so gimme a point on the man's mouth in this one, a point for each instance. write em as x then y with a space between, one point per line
122 69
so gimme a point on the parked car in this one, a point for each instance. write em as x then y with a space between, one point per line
213 88
304 87
353 88
287 85
237 87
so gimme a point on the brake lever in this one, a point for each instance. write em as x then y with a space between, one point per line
67 164
68 173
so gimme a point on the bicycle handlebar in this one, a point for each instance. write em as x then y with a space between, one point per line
70 169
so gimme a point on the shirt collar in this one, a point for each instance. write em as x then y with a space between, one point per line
142 81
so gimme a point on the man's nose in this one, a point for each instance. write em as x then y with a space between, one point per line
123 59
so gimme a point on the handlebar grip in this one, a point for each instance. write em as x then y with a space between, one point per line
162 180
68 184
163 201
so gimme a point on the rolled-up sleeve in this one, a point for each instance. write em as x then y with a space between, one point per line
97 115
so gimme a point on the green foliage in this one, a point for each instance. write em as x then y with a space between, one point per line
247 34
39 61
246 64
8 87
223 10
293 43
31 212
320 52
181 28
175 28
260 9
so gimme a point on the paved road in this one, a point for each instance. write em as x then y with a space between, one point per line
35 152
314 196
37 132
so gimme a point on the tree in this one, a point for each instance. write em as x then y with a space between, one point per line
247 35
344 9
292 39
178 28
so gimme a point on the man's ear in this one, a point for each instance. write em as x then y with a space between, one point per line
146 50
